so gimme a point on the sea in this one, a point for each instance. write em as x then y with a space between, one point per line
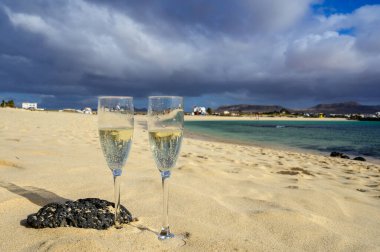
354 138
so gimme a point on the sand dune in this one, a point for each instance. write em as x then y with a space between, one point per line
223 197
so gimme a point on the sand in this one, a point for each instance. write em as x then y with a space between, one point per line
223 197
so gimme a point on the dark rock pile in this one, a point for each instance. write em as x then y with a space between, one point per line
83 213
342 155
339 154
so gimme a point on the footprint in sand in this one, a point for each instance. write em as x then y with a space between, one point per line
70 244
186 168
288 172
248 205
13 139
236 170
296 171
361 190
292 187
372 186
5 164
302 170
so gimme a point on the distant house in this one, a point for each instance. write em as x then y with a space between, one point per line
199 111
226 112
378 114
29 105
87 111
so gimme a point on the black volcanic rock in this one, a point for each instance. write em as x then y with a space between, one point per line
335 154
339 154
83 213
360 159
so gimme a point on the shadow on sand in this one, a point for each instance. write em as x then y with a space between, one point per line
38 196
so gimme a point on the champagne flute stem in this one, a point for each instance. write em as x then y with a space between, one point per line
165 218
165 230
116 180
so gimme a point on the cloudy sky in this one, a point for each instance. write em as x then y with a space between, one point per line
297 53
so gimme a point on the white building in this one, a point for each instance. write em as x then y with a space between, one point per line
199 111
87 111
378 114
29 105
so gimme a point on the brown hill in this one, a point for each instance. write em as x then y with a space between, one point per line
344 108
247 108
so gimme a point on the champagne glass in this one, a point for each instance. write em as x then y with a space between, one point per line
165 127
115 123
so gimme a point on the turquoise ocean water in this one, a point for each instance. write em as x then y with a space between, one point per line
355 138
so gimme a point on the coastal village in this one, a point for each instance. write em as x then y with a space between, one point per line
33 106
348 110
276 111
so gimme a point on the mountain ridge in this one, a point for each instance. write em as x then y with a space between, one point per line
250 108
350 107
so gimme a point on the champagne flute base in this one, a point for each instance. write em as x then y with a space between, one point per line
165 234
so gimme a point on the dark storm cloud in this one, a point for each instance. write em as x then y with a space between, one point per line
274 51
227 16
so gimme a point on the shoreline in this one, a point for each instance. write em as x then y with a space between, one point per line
208 138
203 118
262 118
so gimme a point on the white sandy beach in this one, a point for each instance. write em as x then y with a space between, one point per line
223 197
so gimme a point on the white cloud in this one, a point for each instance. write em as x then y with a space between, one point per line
324 52
32 23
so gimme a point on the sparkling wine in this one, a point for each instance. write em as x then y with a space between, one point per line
165 145
116 144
